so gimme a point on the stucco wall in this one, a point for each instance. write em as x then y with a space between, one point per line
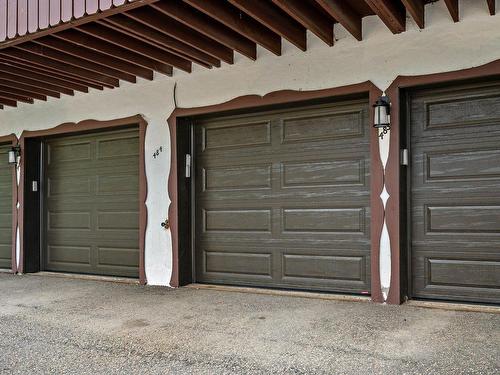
380 57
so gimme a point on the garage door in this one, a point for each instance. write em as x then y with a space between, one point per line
282 199
92 205
455 146
5 209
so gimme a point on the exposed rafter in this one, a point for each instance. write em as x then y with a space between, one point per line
157 39
92 55
244 25
274 19
14 82
133 51
491 7
452 6
153 18
23 53
38 80
345 15
207 26
309 17
391 13
417 10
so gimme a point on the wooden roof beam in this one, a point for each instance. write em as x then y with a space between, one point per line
12 81
207 26
452 6
391 13
30 76
156 20
17 98
275 20
417 10
81 67
244 25
62 69
309 17
8 102
70 81
84 40
23 93
491 7
155 38
138 52
39 83
97 57
345 15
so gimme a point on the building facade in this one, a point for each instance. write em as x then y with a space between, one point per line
234 143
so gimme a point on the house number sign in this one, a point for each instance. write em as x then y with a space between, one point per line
158 152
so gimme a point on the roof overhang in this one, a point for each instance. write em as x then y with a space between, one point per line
61 46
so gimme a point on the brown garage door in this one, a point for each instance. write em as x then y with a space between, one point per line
455 146
5 209
282 199
91 204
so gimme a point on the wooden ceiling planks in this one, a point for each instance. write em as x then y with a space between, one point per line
50 48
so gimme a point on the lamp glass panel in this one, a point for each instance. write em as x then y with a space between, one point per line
12 157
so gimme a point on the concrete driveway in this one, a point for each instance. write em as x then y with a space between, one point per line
67 326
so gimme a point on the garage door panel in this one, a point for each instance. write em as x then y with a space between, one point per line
118 148
112 184
445 110
118 220
322 173
322 125
455 195
118 257
69 186
244 177
69 152
324 220
237 220
91 204
57 254
236 135
299 188
462 111
463 219
237 263
323 267
75 220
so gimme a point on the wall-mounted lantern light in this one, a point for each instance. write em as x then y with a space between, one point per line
14 154
382 118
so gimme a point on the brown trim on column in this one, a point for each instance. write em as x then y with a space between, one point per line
12 139
393 164
89 125
377 207
277 98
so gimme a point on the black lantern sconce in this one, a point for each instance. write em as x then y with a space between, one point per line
382 118
14 154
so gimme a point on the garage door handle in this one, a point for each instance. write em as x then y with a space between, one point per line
165 224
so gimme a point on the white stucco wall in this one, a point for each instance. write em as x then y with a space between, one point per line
380 57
